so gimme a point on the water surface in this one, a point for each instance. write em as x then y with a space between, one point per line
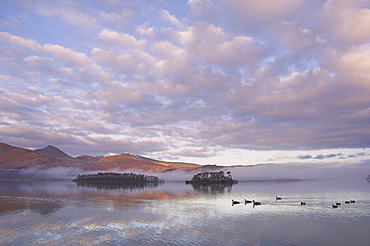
63 213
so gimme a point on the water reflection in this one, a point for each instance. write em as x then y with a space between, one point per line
42 206
212 189
62 213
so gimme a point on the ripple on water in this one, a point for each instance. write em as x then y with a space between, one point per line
196 219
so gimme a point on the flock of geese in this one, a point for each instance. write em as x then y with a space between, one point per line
233 202
346 202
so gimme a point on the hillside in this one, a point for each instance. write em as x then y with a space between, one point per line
14 158
126 162
58 156
89 159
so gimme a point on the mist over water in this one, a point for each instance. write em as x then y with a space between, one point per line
61 173
292 172
240 173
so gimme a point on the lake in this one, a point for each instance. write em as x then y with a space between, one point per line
63 213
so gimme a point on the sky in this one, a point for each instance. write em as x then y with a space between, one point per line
211 82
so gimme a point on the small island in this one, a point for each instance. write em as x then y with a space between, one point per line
212 178
123 178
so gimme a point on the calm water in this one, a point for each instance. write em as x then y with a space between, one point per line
62 213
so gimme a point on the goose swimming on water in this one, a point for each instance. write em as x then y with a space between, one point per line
234 202
247 201
335 206
303 203
256 203
278 198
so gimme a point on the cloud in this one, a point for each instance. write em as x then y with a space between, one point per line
144 30
263 10
67 56
69 12
168 50
353 65
304 157
321 157
115 39
111 60
120 18
215 48
360 154
344 22
164 14
197 78
20 42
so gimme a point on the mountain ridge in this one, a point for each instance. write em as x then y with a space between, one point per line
12 157
16 157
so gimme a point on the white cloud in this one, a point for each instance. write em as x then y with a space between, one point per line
66 55
164 14
10 78
201 34
216 47
172 90
37 61
240 50
356 61
344 22
166 49
123 41
122 63
175 68
20 42
144 30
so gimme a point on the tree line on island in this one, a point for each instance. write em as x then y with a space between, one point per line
129 178
133 178
212 178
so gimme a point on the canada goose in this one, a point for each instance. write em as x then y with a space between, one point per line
338 203
278 198
347 202
352 201
303 203
256 203
234 202
335 206
247 201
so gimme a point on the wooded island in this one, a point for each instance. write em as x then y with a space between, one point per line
212 178
127 178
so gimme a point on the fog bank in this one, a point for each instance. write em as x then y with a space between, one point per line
240 173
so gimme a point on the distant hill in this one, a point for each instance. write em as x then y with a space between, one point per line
58 156
138 157
52 151
14 158
89 159
126 162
